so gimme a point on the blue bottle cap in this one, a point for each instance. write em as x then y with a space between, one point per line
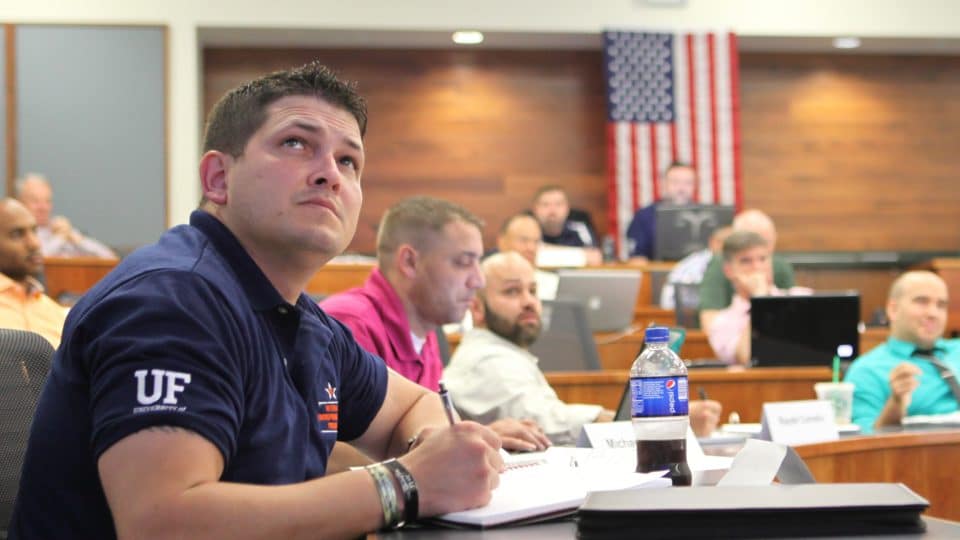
657 334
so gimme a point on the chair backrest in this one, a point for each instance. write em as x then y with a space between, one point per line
687 304
24 364
566 342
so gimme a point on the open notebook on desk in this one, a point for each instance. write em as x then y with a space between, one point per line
551 483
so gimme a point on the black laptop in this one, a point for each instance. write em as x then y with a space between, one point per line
804 330
681 230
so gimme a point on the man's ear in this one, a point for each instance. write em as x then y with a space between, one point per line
407 260
728 270
891 309
477 312
213 176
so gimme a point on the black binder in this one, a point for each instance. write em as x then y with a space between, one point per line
752 511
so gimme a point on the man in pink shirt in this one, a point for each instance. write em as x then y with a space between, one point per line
747 263
428 255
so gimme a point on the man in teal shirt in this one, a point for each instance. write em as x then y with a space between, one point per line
897 378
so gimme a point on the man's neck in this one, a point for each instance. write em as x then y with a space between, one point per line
418 326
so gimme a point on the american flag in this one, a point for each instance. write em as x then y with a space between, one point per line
670 97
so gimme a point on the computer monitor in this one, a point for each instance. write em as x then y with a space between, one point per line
609 297
804 330
565 342
681 230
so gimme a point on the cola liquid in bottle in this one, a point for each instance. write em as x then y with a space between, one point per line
659 395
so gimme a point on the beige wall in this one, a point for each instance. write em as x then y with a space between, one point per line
895 18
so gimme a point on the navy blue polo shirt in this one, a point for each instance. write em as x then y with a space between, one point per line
188 332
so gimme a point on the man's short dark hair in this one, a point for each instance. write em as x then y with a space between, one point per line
241 112
677 165
411 221
739 241
548 189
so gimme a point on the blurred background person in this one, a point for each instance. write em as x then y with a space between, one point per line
57 236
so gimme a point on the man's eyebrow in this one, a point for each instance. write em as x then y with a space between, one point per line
314 128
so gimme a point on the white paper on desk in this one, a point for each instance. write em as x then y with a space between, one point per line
937 419
756 464
551 481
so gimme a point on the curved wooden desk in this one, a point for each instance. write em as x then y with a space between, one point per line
741 390
74 274
927 461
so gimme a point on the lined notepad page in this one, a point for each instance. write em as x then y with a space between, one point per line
549 482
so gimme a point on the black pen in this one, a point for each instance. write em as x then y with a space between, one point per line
702 393
447 404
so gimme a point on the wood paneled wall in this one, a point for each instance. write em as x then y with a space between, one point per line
845 152
484 129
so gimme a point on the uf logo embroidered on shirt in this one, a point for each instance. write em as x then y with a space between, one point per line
162 379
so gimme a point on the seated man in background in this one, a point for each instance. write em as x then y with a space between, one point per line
690 269
747 264
901 377
198 391
57 237
23 306
677 188
428 269
521 233
493 375
716 289
561 227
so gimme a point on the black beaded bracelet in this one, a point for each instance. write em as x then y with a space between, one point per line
408 487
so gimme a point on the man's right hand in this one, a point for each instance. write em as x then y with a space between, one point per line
455 468
520 435
903 381
752 284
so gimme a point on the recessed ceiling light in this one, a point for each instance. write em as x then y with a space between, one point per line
849 42
467 37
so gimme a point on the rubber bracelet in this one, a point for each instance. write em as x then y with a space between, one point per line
408 487
383 480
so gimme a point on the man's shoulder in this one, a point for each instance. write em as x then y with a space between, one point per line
356 303
183 257
879 358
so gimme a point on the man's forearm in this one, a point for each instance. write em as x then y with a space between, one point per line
890 415
427 410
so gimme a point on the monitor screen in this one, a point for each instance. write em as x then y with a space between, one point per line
681 230
804 330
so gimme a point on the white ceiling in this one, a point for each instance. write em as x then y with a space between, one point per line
433 39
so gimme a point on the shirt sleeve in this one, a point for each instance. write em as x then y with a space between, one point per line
94 248
871 392
363 383
641 232
782 273
727 327
162 350
502 385
713 288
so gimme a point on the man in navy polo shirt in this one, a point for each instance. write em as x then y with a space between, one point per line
197 392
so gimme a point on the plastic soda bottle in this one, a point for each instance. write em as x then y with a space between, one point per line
659 395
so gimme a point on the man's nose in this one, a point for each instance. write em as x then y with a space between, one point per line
327 173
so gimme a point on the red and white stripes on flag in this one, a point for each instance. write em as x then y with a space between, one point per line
670 97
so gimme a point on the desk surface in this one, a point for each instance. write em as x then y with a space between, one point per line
936 528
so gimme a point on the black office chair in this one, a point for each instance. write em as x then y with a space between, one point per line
24 364
444 345
566 342
687 304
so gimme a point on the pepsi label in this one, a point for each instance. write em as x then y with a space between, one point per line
659 396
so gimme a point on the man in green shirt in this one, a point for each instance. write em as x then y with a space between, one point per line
716 291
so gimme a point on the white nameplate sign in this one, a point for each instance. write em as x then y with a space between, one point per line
620 436
798 422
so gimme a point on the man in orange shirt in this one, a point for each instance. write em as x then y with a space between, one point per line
23 306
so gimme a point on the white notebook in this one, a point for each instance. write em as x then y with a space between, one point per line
550 483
